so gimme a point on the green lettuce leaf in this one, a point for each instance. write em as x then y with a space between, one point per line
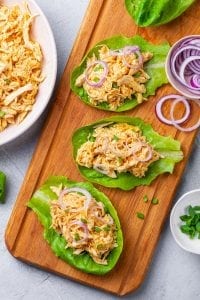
156 12
40 204
155 68
166 146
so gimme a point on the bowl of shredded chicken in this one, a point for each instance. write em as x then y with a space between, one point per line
27 77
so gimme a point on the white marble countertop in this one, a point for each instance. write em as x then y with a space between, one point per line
173 274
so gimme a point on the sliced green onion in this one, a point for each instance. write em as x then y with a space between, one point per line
140 215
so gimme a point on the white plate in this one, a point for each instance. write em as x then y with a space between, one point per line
42 33
191 198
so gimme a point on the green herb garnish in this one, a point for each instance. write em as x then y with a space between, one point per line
145 198
77 237
96 79
154 201
96 228
140 215
98 68
2 113
100 247
114 85
7 81
106 228
120 160
192 222
115 138
2 187
83 220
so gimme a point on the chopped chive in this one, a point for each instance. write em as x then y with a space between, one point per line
106 228
96 79
83 220
120 160
77 237
185 218
114 85
98 68
191 211
2 113
7 81
192 222
196 207
115 138
198 227
140 215
154 201
96 228
100 247
145 198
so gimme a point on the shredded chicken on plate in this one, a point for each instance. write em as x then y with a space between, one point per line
20 65
125 78
117 148
83 222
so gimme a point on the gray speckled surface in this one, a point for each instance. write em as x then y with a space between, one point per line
173 273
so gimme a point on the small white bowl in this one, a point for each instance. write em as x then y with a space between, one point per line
42 33
183 240
174 82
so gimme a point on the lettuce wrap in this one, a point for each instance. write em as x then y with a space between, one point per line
154 68
40 204
167 147
156 12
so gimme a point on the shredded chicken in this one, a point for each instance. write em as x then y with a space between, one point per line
85 228
20 65
117 148
122 82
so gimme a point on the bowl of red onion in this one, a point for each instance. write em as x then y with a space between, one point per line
183 66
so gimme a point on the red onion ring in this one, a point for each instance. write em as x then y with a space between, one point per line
129 50
104 75
85 230
189 129
172 121
77 190
182 71
195 80
160 103
185 64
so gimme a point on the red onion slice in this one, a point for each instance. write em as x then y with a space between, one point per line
185 64
195 81
117 52
160 103
189 129
182 70
104 74
76 190
148 157
129 50
85 230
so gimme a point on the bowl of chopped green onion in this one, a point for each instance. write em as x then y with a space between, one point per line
185 221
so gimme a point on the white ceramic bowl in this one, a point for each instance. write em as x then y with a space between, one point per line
183 240
174 82
41 32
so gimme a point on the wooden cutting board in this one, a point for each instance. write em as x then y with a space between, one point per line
53 156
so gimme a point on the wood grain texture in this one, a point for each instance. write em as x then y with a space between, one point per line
53 156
